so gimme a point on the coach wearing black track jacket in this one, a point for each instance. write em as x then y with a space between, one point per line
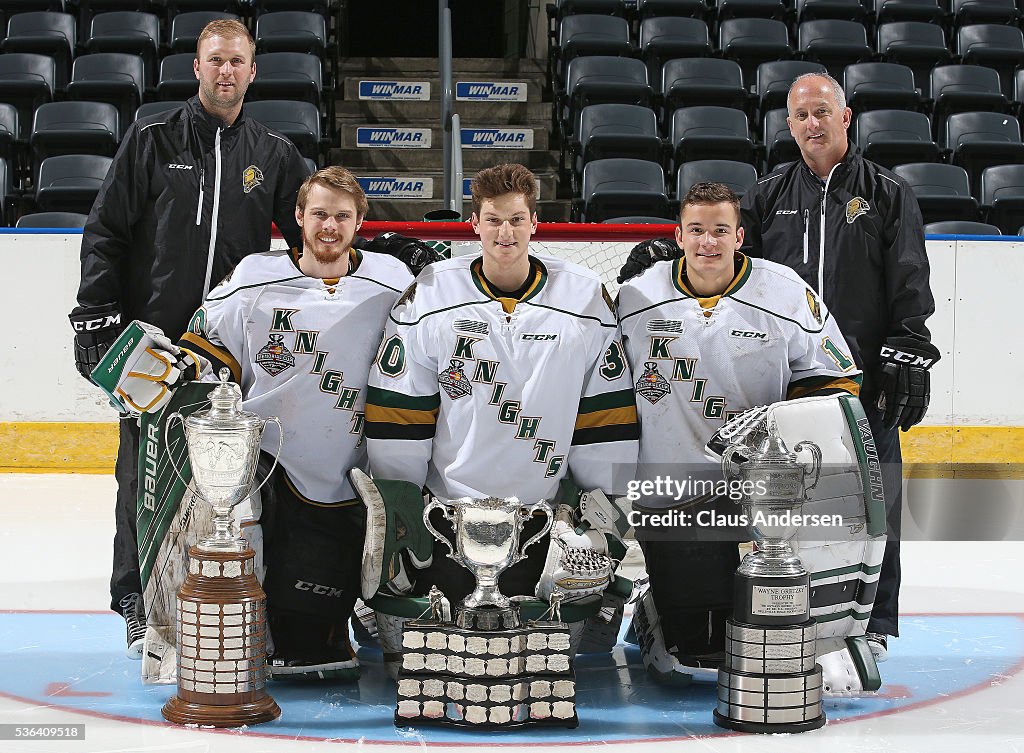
853 231
189 194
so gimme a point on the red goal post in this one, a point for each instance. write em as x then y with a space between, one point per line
602 248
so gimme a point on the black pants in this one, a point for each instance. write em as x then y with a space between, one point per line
885 615
125 577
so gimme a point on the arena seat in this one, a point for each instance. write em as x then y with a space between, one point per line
112 77
709 132
616 130
960 227
600 78
44 33
152 108
130 32
779 144
52 219
739 176
926 11
186 27
26 81
74 128
727 9
890 137
966 12
680 8
701 81
291 31
835 44
943 191
177 80
963 88
919 46
774 79
880 86
665 38
615 187
299 121
9 129
590 34
1002 196
992 45
70 182
976 140
287 75
752 41
820 10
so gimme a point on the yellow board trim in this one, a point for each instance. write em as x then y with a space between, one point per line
78 447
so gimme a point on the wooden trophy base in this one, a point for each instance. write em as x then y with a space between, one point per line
206 715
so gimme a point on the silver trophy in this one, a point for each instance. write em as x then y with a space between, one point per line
769 681
487 543
223 450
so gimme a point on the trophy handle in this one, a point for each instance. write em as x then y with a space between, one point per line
167 447
527 513
433 504
815 463
730 468
280 446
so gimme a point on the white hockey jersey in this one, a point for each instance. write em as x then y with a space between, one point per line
698 362
301 349
477 395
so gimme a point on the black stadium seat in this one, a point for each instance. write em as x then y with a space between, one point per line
617 187
1002 196
580 36
26 81
9 129
752 41
727 9
919 46
51 34
291 31
739 176
129 32
942 191
890 137
992 45
779 144
984 12
813 10
565 8
960 227
964 88
177 80
70 182
833 43
690 8
287 75
976 140
6 193
926 11
774 79
52 219
664 38
597 79
709 132
616 130
74 128
299 121
186 27
112 77
880 86
152 108
702 81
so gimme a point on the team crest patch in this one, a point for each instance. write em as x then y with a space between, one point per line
252 176
408 295
813 305
454 380
274 357
855 207
651 385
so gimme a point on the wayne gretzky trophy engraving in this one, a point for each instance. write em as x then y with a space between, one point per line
769 681
487 668
221 608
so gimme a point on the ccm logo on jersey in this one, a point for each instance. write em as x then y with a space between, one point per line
787 211
319 590
910 359
538 337
172 166
748 334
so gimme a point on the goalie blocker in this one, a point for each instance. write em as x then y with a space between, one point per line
844 562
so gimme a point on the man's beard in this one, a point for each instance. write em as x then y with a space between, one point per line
328 255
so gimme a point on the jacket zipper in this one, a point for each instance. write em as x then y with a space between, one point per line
216 212
202 184
821 237
807 230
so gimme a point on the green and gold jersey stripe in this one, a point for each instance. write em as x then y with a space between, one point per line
394 415
823 385
610 417
217 356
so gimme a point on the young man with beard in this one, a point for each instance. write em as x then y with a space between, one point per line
298 331
501 374
708 336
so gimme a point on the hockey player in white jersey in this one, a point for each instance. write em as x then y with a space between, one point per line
709 336
299 330
501 374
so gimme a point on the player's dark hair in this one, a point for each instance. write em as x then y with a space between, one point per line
502 179
338 178
710 193
228 29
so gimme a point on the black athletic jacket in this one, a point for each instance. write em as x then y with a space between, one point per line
185 199
857 239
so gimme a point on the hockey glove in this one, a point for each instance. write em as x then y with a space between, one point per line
414 253
96 328
904 384
143 367
645 254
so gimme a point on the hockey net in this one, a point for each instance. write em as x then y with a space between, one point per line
602 248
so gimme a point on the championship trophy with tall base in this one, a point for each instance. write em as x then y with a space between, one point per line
769 681
486 668
221 608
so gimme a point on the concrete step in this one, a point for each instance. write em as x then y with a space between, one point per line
414 88
428 184
479 113
413 210
411 136
409 67
407 160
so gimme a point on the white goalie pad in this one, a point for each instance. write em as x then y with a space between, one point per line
844 560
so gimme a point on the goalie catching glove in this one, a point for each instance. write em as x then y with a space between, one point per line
412 252
905 385
645 254
142 367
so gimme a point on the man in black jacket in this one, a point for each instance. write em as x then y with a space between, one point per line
189 194
853 231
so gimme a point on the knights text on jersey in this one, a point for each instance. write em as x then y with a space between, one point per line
698 362
301 349
477 395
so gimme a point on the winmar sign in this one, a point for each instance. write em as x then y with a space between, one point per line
490 91
497 138
416 91
398 188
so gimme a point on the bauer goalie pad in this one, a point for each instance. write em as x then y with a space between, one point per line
171 518
142 367
844 560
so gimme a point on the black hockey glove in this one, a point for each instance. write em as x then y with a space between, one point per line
414 253
905 385
96 328
646 253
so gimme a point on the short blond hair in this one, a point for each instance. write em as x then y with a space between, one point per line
227 29
339 179
502 179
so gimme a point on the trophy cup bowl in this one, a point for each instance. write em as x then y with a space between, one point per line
486 542
769 681
221 607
